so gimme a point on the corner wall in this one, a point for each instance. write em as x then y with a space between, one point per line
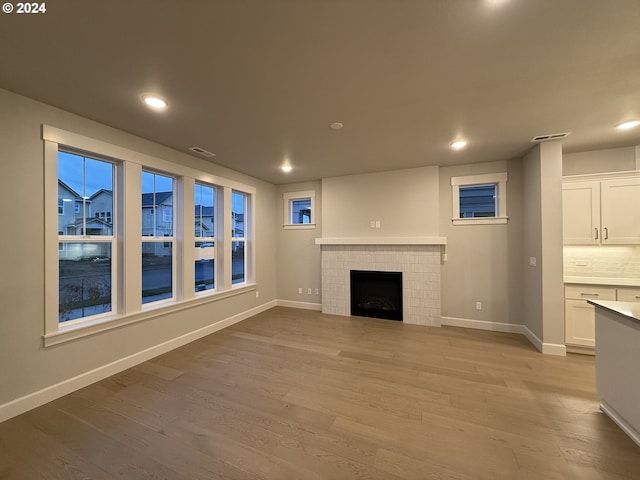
26 367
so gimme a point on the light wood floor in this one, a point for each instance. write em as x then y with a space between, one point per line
294 394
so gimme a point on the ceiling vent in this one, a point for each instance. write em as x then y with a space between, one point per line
202 151
551 136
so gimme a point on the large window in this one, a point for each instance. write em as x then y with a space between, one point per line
85 242
479 199
129 236
238 237
205 235
158 240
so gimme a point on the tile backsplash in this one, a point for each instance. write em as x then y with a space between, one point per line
606 261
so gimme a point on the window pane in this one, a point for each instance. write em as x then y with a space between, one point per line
205 266
204 209
85 186
157 205
238 211
301 211
478 201
85 280
237 264
157 281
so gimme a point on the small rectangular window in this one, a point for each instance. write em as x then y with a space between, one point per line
479 199
299 210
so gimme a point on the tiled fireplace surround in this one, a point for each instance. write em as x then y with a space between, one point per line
419 264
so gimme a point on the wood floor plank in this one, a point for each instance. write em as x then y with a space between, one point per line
295 394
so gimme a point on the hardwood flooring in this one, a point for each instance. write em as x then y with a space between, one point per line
295 394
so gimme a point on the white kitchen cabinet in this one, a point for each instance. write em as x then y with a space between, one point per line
579 316
601 212
628 294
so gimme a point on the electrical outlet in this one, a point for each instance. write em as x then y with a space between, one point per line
372 224
299 289
257 294
445 257
317 291
378 224
308 291
478 305
533 261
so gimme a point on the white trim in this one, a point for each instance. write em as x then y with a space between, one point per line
300 305
288 197
86 328
480 179
299 226
483 325
605 176
621 422
381 241
545 348
48 394
480 220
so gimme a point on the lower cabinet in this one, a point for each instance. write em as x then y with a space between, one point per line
579 316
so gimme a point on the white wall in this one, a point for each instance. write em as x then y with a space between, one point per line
404 201
26 366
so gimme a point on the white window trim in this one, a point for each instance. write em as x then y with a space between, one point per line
288 197
497 179
130 308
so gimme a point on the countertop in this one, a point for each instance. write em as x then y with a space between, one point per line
615 282
630 310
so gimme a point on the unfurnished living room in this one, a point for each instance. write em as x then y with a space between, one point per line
320 239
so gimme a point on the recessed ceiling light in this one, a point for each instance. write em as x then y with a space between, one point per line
628 125
336 126
286 168
155 102
458 144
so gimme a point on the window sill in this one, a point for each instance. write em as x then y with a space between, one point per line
103 324
305 226
480 221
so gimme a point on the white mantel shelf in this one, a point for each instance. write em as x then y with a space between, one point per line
381 241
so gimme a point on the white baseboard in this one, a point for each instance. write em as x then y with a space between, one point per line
48 394
621 422
302 305
482 325
546 348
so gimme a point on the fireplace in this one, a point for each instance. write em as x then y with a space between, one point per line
376 294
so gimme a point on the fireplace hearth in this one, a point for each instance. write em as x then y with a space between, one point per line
376 294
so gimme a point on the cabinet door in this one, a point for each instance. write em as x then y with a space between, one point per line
580 324
628 295
620 207
581 213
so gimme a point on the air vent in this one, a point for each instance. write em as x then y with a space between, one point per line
551 136
202 151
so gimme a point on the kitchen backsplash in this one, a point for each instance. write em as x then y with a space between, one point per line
607 261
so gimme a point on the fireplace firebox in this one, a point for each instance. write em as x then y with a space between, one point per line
376 294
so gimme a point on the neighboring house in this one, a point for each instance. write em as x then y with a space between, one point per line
204 226
157 220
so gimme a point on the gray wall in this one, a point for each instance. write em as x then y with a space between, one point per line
600 161
544 293
484 261
298 255
25 366
404 201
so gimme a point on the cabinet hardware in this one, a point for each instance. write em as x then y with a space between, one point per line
606 233
595 232
587 294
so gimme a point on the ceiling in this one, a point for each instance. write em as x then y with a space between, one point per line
259 81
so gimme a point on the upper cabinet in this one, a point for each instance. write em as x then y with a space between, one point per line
601 212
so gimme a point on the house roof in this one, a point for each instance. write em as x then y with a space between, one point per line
405 77
160 198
